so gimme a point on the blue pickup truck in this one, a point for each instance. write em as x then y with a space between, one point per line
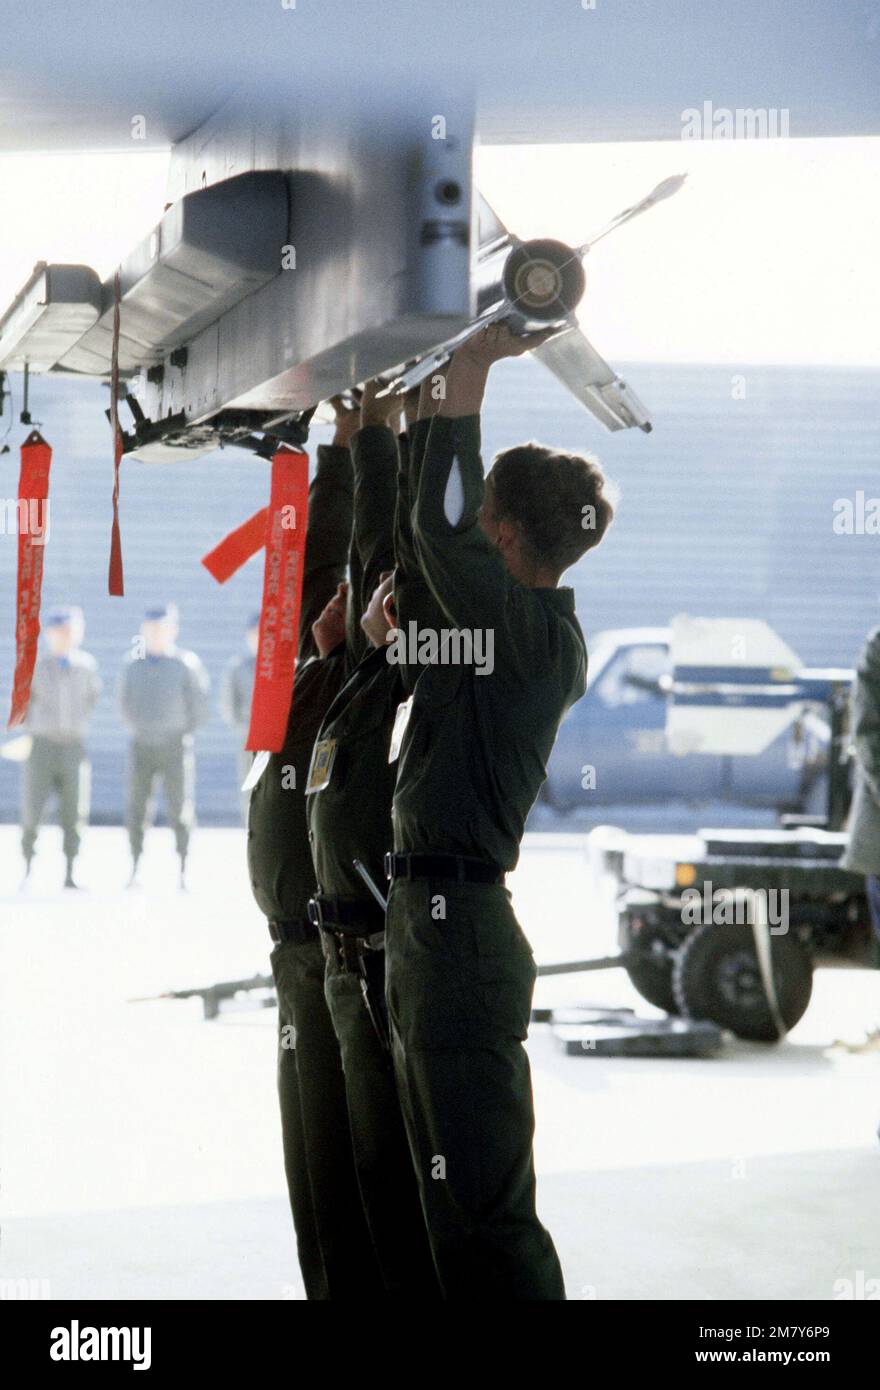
612 751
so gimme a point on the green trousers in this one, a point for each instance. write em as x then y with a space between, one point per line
62 769
173 764
385 1173
460 976
333 1241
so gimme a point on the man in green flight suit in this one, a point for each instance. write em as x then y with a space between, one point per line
473 755
349 801
335 1248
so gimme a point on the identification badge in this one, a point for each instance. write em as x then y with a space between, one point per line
401 719
321 766
257 768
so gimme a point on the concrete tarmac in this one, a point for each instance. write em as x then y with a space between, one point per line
141 1148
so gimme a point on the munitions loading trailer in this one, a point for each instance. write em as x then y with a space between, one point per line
725 927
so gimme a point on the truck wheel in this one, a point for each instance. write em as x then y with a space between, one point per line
649 966
717 977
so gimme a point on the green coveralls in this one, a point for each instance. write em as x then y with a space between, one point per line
460 972
334 1246
351 818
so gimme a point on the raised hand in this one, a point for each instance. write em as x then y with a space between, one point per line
471 363
347 413
379 410
496 341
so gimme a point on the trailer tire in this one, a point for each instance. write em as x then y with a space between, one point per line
716 977
649 965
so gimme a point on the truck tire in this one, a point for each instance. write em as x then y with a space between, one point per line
716 977
649 963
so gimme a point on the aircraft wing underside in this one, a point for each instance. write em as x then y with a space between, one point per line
541 70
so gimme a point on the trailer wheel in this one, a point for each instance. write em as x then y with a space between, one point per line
717 977
649 963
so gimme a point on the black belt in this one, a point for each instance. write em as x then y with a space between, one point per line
354 916
297 931
456 867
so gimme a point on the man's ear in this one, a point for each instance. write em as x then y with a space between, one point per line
507 538
389 608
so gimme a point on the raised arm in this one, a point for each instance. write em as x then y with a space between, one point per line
328 534
463 568
375 458
414 600
411 446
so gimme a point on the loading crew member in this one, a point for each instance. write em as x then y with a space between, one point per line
64 690
460 972
164 698
349 805
334 1246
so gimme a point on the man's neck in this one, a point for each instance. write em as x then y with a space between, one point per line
534 576
545 580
